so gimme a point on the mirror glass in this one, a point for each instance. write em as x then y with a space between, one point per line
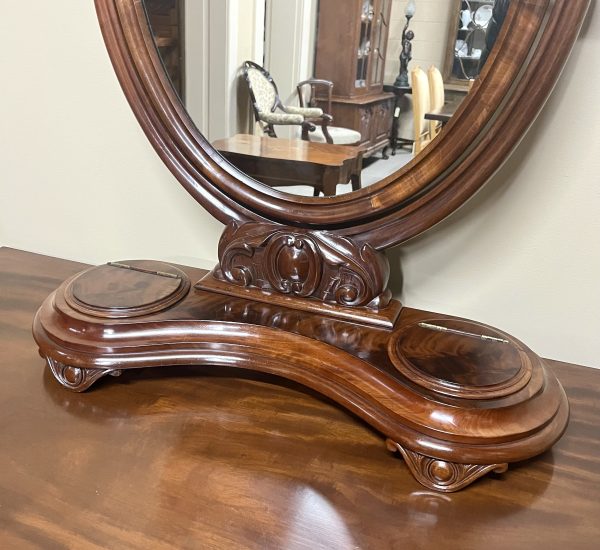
323 97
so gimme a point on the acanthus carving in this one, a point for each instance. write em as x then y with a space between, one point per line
75 378
303 263
441 475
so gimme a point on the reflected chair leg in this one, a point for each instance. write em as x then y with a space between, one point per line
270 131
305 130
384 154
356 181
394 139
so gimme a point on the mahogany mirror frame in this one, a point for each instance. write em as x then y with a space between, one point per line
527 59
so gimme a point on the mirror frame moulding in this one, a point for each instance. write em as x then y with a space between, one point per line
531 50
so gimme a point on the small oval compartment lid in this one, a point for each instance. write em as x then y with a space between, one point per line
460 358
127 288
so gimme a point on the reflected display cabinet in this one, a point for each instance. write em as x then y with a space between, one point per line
473 29
351 50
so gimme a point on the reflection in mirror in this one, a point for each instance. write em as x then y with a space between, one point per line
323 97
471 37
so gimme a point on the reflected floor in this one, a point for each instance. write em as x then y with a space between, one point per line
374 169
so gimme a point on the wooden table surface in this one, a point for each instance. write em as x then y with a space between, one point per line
199 458
287 149
288 162
447 111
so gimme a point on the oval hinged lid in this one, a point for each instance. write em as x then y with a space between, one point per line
127 288
460 358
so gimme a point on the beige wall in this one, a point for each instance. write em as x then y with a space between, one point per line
430 25
232 28
290 27
79 180
196 63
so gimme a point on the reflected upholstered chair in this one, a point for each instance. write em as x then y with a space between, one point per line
314 91
269 111
436 98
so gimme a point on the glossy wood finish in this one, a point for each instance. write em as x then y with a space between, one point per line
530 52
204 457
370 115
351 48
127 289
351 45
287 149
311 271
461 358
449 431
282 162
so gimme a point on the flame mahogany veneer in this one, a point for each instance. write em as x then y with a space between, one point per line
455 398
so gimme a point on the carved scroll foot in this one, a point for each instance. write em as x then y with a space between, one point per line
441 475
77 379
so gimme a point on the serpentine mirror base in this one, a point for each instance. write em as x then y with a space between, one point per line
455 398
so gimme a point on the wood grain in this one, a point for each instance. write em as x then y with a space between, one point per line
287 149
203 458
127 289
352 364
307 270
282 162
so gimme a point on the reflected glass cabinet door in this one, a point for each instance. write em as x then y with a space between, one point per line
364 43
380 36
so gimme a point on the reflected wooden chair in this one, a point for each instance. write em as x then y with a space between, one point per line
269 111
316 92
413 128
436 98
421 106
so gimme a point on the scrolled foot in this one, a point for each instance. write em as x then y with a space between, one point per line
440 475
75 378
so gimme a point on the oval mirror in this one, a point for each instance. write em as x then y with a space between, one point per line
338 83
372 119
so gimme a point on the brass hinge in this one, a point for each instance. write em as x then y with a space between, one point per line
141 270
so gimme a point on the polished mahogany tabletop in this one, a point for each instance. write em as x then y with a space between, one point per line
203 458
447 111
289 162
295 150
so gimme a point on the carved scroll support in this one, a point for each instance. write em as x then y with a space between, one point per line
75 378
441 475
310 270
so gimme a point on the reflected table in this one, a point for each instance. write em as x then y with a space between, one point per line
281 162
447 111
194 457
